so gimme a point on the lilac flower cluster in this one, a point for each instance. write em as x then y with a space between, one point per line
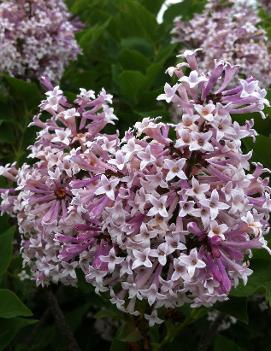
36 38
68 146
166 215
230 33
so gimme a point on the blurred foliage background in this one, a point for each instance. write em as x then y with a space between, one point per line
125 51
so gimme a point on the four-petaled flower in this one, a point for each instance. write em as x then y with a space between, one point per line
112 259
217 230
206 112
175 169
193 79
214 204
153 318
107 187
141 258
191 262
169 93
158 206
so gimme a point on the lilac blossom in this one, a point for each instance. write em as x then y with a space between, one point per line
168 214
45 202
37 38
230 32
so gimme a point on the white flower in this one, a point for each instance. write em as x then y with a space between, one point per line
107 186
188 53
253 226
169 93
249 88
161 253
141 258
146 157
193 79
159 206
95 275
201 141
112 259
206 111
70 113
153 318
175 169
184 138
62 136
217 230
214 204
133 290
118 161
173 240
86 94
130 148
152 294
191 262
198 189
186 207
180 271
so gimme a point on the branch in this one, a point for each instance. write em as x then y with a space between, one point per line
61 322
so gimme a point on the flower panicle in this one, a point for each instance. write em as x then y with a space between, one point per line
37 38
230 31
168 214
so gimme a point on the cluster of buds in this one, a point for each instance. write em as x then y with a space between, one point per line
231 32
166 215
36 38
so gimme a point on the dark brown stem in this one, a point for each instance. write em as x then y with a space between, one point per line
61 323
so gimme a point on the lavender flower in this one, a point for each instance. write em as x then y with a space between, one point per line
169 214
230 33
36 38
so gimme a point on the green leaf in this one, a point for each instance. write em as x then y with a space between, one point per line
224 344
133 59
81 5
11 306
236 307
259 148
154 71
28 92
267 109
75 317
7 133
139 44
91 36
153 6
6 249
166 52
131 84
10 328
117 345
186 9
128 333
133 19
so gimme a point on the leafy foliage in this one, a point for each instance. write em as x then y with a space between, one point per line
126 52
